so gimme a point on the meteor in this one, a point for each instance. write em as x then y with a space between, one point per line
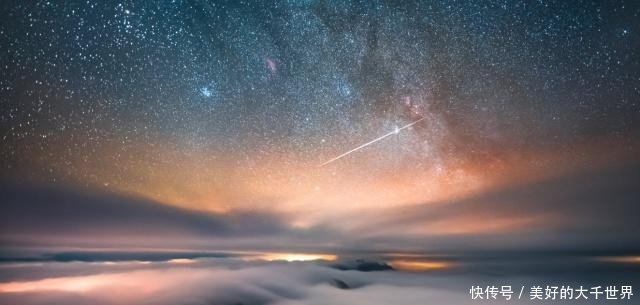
395 131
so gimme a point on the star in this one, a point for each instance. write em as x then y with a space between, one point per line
206 91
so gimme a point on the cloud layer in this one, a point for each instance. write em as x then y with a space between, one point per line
231 282
586 211
592 211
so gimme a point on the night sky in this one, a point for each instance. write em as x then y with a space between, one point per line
265 153
229 107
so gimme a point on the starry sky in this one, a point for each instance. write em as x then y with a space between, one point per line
230 107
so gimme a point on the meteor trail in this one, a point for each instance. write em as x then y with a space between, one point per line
396 131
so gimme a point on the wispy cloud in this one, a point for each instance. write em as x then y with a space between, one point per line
570 213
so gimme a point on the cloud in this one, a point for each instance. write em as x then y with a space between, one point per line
42 213
588 210
217 283
229 282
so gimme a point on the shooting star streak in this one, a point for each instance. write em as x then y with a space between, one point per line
396 131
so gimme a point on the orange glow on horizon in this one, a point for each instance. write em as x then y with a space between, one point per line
621 259
181 261
295 257
420 265
70 284
289 182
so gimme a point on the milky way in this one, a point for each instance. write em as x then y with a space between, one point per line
272 152
208 104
